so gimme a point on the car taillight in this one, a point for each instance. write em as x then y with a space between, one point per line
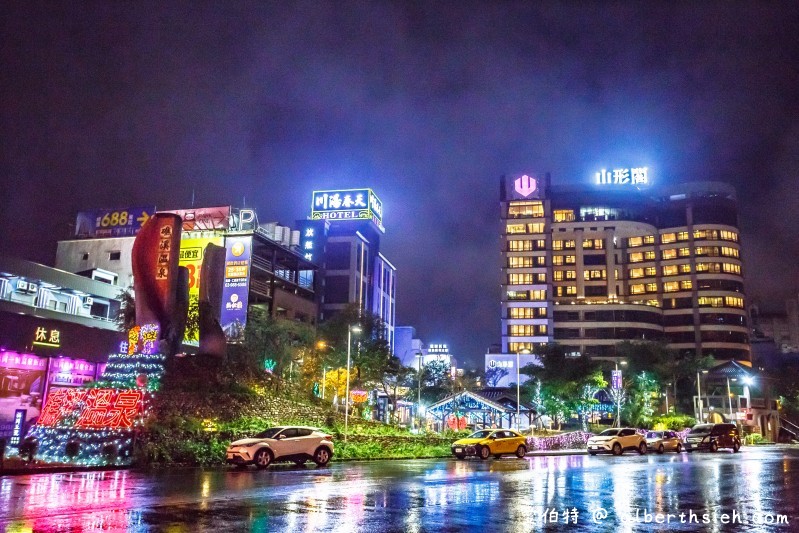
328 437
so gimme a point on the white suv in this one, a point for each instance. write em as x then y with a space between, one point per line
285 443
616 441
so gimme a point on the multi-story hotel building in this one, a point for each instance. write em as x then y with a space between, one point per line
588 268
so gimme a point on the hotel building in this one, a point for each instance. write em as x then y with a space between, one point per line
590 267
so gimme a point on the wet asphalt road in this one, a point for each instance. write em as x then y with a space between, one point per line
424 495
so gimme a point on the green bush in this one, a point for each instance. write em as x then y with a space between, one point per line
674 422
756 438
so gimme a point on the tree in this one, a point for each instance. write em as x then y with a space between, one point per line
494 375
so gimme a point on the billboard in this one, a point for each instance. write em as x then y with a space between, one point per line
347 204
235 290
103 223
192 252
204 218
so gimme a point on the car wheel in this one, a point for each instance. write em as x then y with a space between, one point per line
521 451
591 453
460 456
679 448
714 446
660 449
617 449
736 447
689 451
484 453
321 456
642 448
300 462
263 458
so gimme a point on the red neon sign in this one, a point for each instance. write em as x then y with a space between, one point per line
96 408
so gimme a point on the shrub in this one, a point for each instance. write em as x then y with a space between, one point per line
28 449
72 449
674 422
109 452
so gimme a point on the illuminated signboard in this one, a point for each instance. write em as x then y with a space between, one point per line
525 185
312 239
101 223
19 426
192 251
615 379
623 176
47 337
94 408
204 218
347 204
235 291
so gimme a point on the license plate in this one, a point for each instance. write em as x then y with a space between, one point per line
458 450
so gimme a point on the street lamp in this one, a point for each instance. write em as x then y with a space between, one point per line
518 395
320 345
617 422
699 396
729 395
419 354
350 330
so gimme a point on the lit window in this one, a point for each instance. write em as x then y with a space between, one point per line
651 271
557 275
636 257
684 252
557 245
636 273
670 270
686 285
563 215
649 239
637 289
729 252
682 236
571 260
730 268
570 245
525 209
515 228
588 243
571 290
538 295
734 301
541 277
667 238
651 287
535 228
571 274
671 286
557 259
670 254
728 235
632 242
540 260
649 255
685 268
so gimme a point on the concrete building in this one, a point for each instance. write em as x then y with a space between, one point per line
780 327
589 267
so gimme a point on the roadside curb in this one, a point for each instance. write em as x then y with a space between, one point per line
59 470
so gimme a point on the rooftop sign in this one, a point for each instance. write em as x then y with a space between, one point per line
623 176
347 204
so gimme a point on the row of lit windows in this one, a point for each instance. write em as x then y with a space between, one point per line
588 275
560 275
536 295
563 215
512 229
721 301
564 260
526 262
716 268
589 244
527 312
527 330
568 290
674 253
527 245
669 286
682 236
526 279
685 268
526 209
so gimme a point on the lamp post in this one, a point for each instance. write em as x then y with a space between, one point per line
617 422
699 396
518 393
419 354
350 330
729 396
320 345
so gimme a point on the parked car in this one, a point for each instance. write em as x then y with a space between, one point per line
617 441
713 437
285 443
488 442
663 441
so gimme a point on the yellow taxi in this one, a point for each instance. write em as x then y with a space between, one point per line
488 442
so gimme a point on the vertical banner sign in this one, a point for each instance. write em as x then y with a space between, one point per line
192 253
236 286
155 269
615 379
19 426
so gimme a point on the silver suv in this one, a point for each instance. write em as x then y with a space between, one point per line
285 443
617 441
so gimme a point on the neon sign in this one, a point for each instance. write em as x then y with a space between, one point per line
623 176
45 337
347 204
525 185
95 408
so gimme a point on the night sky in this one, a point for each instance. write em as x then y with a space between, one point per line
116 104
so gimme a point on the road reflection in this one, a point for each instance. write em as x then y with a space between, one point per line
415 496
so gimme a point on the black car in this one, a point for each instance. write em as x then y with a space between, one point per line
712 437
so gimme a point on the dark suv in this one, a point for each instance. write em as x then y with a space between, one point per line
712 437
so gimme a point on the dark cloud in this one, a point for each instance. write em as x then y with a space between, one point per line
429 103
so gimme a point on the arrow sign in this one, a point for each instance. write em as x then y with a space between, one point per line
143 218
525 185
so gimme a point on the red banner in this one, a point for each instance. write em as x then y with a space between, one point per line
97 408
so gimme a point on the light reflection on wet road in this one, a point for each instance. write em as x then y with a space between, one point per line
416 496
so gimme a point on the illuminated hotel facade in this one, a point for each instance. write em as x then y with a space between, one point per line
588 268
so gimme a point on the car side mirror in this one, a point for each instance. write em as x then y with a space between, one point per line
492 437
281 437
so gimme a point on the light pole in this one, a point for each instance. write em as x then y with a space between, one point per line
320 345
518 389
617 422
729 396
350 330
419 354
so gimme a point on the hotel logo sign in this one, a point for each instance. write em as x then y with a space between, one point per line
347 204
525 185
623 176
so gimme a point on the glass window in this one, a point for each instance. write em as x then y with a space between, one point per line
649 255
667 238
571 290
684 252
671 286
571 260
557 245
557 275
541 277
636 257
669 254
682 236
651 271
637 289
540 260
636 273
685 268
570 244
651 287
525 209
649 239
731 268
686 285
515 228
571 274
557 259
729 252
728 235
563 215
632 242
670 270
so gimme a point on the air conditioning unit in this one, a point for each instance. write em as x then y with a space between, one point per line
22 285
88 301
32 287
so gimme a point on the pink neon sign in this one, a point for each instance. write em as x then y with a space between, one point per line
525 185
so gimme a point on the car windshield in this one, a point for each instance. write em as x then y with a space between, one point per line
609 433
703 428
654 435
269 433
482 434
